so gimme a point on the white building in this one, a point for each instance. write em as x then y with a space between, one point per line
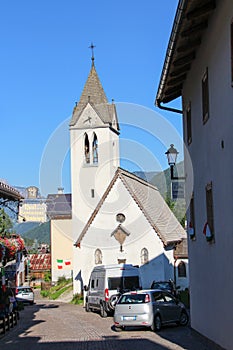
116 217
198 67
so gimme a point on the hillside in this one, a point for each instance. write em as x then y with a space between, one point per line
23 227
162 181
38 231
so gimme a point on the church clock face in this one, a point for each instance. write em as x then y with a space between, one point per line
90 120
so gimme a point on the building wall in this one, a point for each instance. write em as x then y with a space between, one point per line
86 177
32 210
141 235
61 249
211 263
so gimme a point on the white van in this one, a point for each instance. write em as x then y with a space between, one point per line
107 283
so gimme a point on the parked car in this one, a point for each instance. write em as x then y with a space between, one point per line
24 294
107 283
149 308
165 285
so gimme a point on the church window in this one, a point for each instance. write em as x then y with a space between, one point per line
181 269
120 217
87 149
144 256
95 149
98 257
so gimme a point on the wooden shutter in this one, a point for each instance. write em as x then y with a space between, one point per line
209 207
189 124
205 97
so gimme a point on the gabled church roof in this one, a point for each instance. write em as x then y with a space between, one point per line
94 94
151 203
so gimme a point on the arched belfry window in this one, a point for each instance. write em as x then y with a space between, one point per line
86 149
181 269
144 256
98 257
95 149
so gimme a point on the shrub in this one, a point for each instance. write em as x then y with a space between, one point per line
47 276
61 280
44 293
77 299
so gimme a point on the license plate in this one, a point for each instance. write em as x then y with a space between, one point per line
129 318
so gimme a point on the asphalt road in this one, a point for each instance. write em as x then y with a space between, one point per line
58 325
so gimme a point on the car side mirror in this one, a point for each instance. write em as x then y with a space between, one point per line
86 288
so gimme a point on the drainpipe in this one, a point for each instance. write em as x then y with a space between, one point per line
175 110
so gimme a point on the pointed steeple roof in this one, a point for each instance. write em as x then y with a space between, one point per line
94 94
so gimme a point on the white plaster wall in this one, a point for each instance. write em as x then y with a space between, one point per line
85 177
211 264
160 264
61 248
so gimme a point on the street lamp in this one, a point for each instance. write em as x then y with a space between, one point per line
172 154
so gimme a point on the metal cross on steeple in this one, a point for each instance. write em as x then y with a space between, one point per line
92 51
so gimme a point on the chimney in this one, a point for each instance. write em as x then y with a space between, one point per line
60 190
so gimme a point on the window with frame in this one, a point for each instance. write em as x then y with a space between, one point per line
95 149
144 256
205 97
192 232
181 269
86 149
209 207
189 124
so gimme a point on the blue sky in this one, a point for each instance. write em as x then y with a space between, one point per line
45 62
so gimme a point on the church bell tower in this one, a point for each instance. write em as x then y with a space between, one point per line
94 137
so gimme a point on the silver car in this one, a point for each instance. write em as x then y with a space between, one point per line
150 308
24 294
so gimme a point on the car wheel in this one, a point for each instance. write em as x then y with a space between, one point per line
118 328
184 318
157 324
87 307
103 312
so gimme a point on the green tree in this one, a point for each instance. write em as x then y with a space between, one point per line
5 222
178 209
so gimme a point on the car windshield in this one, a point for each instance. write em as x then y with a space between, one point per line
131 282
161 285
132 298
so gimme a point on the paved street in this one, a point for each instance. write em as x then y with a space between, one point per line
56 325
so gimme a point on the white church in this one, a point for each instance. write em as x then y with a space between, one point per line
116 216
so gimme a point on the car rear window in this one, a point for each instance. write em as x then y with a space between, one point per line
130 283
133 298
25 290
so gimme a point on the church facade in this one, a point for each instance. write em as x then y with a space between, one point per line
116 216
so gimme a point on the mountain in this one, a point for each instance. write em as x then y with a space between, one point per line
23 227
34 230
146 175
